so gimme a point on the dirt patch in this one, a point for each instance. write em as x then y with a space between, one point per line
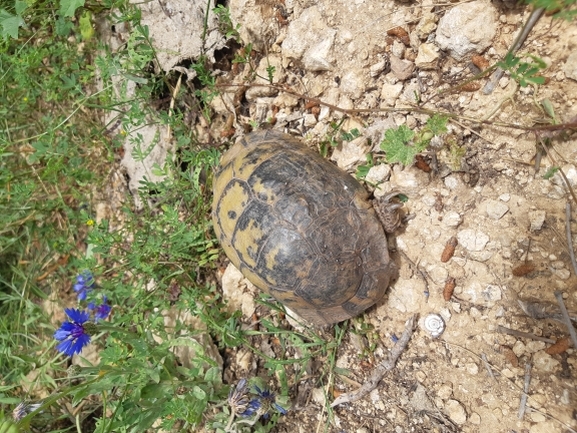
483 190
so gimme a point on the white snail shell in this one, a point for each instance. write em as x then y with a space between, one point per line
434 325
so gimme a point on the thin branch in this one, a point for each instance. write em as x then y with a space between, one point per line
525 393
566 318
569 238
514 333
381 369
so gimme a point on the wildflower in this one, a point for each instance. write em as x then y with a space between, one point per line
84 284
237 397
23 409
270 398
90 222
252 408
72 335
102 311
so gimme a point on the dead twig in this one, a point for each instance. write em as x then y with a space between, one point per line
525 393
566 318
381 369
514 333
569 238
487 366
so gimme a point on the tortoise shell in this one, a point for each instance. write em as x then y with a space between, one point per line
300 229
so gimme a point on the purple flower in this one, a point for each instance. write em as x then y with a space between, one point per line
252 408
72 335
102 311
84 284
269 397
23 409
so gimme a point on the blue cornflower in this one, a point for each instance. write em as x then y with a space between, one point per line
23 409
252 408
72 335
269 397
102 311
84 284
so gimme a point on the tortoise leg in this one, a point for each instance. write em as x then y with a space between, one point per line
388 211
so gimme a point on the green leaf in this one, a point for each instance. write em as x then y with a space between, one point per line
85 24
437 124
68 7
550 173
20 6
10 24
396 145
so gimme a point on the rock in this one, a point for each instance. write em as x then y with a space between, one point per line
467 28
571 174
318 396
402 69
175 31
390 93
351 153
254 92
445 391
456 412
238 291
537 219
420 401
252 27
378 174
408 180
472 240
452 219
475 418
570 66
427 25
494 209
545 362
427 56
492 293
398 49
352 84
309 41
378 67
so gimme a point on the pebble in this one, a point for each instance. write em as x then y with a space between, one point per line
545 362
445 391
472 368
390 93
467 28
352 84
537 416
378 174
472 240
309 41
427 56
495 209
351 153
456 412
475 418
426 25
452 219
378 67
537 219
570 66
402 69
318 396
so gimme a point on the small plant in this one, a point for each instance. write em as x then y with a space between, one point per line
402 144
227 28
524 72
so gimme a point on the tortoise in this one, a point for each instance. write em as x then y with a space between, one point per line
301 229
